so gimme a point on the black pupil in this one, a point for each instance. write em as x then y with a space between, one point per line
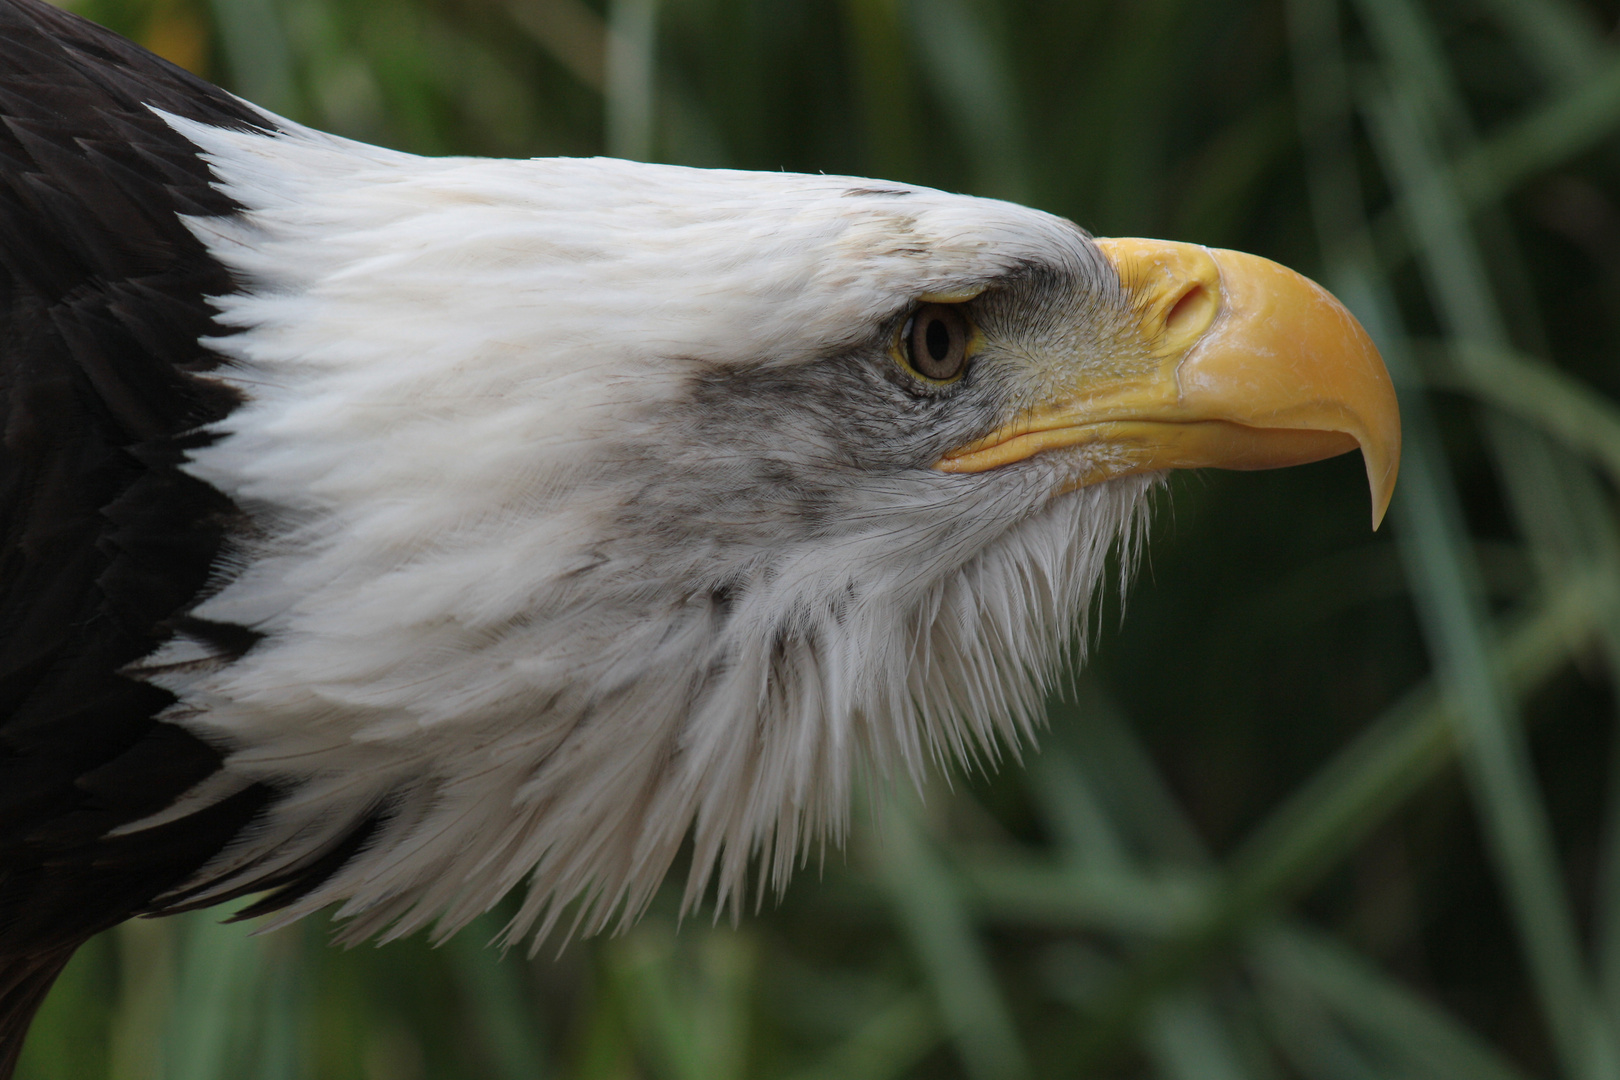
938 339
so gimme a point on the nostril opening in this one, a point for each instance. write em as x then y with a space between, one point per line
1187 311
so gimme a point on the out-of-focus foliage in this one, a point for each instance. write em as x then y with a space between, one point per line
1328 804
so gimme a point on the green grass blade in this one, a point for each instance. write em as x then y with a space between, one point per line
1008 889
643 966
1402 751
931 911
1542 139
1099 739
686 999
1556 403
886 1046
496 1004
572 33
1187 1040
1444 584
68 1038
1563 41
146 960
605 1045
1074 814
727 964
959 53
257 54
220 966
1443 577
1351 796
282 1008
1214 199
1607 930
630 75
1314 1045
1185 1035
1412 56
1557 507
1406 1027
883 87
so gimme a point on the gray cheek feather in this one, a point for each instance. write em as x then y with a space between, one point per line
755 459
755 451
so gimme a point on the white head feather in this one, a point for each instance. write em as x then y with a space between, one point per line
533 600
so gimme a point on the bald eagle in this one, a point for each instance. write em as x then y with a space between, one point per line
387 532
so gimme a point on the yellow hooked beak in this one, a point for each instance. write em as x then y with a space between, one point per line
1248 366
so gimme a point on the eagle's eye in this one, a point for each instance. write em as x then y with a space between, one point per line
935 341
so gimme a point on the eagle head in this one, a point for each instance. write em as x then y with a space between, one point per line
596 505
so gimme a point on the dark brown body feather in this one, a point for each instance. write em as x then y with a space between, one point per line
104 543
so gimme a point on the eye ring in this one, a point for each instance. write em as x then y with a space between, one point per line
935 342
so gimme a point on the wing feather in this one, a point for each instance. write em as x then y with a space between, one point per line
104 542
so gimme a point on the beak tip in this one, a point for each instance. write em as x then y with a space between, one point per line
1382 484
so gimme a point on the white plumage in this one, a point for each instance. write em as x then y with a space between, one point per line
461 378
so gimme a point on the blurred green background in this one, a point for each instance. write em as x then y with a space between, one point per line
1326 804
